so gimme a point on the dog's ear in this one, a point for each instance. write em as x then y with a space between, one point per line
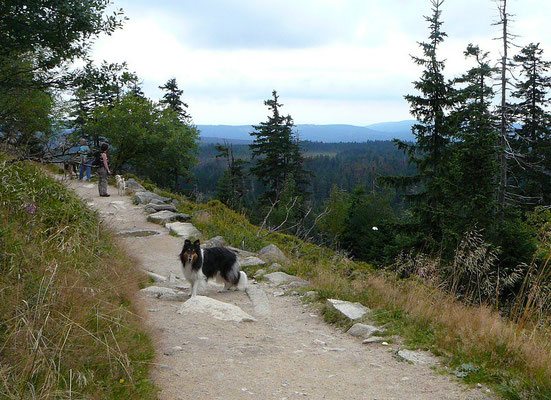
197 243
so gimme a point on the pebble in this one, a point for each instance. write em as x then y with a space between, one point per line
320 342
279 293
384 344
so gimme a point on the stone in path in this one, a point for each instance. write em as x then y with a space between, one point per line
259 299
271 254
418 357
184 229
154 276
352 311
157 291
363 331
216 309
281 278
163 217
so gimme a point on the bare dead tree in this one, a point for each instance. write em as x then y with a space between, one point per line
506 151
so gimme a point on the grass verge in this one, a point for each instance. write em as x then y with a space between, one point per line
68 326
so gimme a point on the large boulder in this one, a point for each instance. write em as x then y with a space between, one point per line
216 309
164 217
352 311
184 229
131 184
272 254
217 241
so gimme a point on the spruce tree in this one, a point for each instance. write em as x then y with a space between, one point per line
173 99
471 184
532 141
277 153
430 152
231 187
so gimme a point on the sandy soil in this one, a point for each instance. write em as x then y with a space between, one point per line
291 354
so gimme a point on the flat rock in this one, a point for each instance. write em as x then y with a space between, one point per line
177 296
155 277
118 205
157 291
163 217
418 357
184 229
374 339
250 261
216 309
89 186
352 311
217 241
272 254
259 299
160 207
363 331
281 278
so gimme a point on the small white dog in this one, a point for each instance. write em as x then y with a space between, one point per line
121 185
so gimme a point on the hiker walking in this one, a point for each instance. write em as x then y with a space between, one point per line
83 152
100 160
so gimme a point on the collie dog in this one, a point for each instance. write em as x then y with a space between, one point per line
215 262
121 184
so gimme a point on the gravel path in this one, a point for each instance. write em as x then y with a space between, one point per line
289 353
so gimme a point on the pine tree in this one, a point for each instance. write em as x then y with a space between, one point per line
471 186
277 153
532 140
173 99
430 152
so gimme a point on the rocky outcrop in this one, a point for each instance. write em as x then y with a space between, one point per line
131 184
272 254
352 311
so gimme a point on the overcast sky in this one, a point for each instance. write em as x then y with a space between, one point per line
331 61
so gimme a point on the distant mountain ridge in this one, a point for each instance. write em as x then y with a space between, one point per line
334 133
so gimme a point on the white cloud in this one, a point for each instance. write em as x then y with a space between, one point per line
332 61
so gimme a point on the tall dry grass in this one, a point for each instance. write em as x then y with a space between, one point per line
68 327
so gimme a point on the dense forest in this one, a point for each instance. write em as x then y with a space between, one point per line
346 165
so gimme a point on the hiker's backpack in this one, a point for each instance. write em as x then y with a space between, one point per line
97 162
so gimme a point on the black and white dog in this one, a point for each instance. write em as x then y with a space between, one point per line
215 262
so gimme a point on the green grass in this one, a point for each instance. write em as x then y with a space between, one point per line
68 326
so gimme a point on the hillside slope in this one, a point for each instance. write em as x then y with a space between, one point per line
289 352
68 323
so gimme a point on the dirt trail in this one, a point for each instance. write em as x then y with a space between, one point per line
292 354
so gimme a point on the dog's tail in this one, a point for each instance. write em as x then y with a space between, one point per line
242 283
